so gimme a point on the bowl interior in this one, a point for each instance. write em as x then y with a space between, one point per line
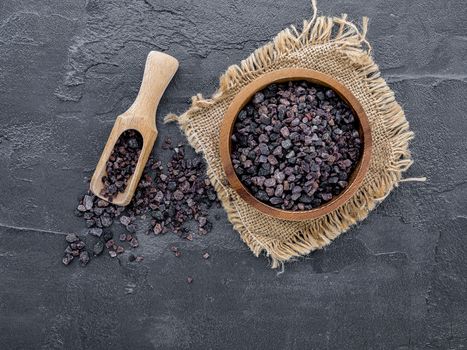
280 76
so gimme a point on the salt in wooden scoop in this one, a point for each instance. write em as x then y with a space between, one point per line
158 72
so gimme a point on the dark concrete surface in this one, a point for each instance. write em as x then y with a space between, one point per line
67 68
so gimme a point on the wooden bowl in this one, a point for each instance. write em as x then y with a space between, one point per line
280 76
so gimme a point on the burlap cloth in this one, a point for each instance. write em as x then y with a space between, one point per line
336 47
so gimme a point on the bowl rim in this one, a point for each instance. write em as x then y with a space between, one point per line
279 76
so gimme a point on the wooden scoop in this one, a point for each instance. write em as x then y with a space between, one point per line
158 72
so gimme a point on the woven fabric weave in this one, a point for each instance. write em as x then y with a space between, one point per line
338 48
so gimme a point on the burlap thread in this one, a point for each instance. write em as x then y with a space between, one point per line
336 47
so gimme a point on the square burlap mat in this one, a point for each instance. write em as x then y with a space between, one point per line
338 48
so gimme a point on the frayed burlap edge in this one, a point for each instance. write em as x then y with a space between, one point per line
350 42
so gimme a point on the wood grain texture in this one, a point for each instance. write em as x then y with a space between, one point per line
158 72
283 75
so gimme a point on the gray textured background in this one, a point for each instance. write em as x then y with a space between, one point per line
67 68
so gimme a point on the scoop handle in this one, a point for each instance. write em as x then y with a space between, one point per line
158 72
